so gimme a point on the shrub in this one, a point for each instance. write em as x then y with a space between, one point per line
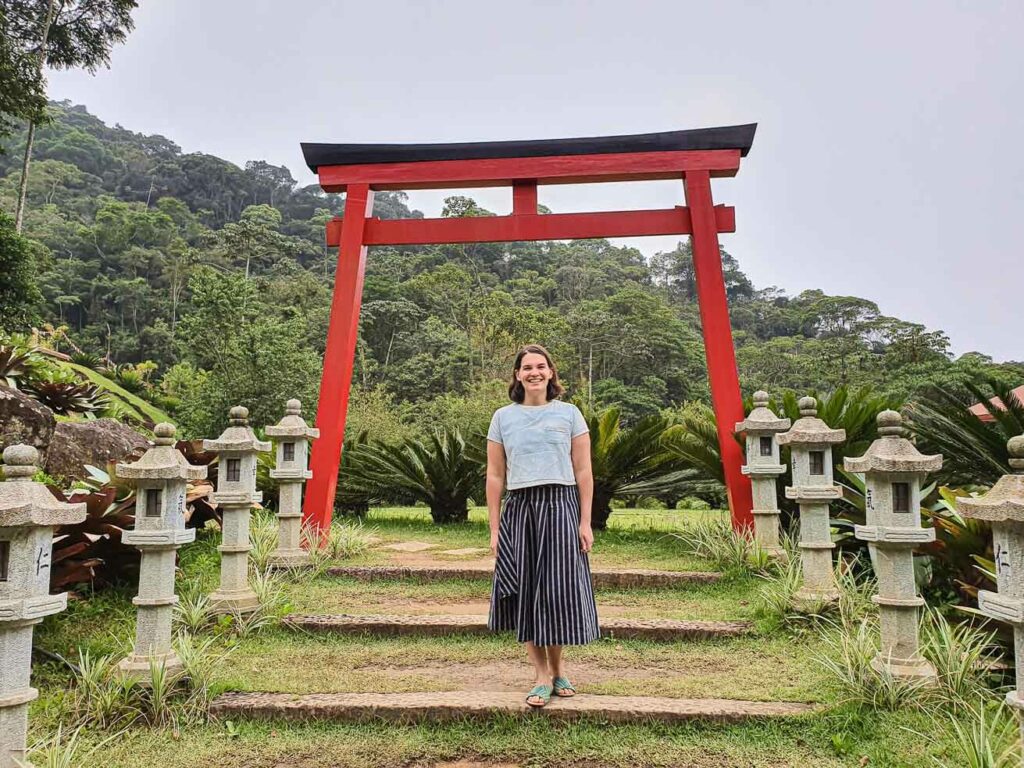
693 502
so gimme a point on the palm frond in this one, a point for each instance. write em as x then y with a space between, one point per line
974 451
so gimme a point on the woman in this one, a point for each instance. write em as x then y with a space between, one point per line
539 448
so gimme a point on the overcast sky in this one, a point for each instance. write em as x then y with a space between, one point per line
886 165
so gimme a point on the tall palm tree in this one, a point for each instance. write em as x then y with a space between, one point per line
442 471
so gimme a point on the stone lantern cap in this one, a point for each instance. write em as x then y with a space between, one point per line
238 437
292 424
24 502
761 418
809 430
163 461
892 451
1005 502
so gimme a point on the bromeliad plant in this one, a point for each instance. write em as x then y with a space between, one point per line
75 385
65 395
17 364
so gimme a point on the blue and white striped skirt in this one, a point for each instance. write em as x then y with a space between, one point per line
542 588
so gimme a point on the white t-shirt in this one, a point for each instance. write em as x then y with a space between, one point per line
537 441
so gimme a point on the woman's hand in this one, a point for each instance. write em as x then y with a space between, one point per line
586 538
494 544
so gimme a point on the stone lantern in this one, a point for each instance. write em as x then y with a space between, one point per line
292 436
235 495
810 441
1003 507
160 478
28 515
763 466
893 469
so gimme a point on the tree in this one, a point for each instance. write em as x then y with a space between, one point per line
20 297
267 181
22 92
62 34
674 270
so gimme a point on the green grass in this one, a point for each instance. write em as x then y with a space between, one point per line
721 601
537 742
634 539
771 665
760 669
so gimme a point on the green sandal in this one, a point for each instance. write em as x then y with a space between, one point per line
542 692
563 684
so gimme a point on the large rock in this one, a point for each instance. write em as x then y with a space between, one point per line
23 420
97 442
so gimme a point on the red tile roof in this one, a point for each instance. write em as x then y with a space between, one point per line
981 411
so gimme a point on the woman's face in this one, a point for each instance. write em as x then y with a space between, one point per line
534 372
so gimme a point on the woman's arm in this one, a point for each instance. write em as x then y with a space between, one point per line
585 483
495 487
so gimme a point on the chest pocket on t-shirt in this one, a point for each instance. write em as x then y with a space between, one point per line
556 435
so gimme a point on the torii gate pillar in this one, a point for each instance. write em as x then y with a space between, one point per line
358 169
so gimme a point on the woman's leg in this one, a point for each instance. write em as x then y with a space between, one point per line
555 666
539 658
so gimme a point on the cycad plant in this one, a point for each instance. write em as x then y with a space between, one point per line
974 451
855 411
630 461
693 440
351 496
443 471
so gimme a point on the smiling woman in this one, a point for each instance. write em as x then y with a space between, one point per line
539 450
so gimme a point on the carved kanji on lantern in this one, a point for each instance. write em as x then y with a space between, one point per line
893 469
28 515
1003 507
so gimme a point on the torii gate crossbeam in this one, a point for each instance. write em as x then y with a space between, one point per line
694 157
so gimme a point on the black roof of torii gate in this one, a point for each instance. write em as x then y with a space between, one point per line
727 137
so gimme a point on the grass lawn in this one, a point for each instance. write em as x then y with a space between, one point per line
766 666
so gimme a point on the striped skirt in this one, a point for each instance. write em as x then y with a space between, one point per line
542 588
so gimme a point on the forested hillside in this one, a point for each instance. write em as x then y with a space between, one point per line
207 284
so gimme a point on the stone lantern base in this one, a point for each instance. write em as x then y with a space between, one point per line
906 669
138 668
290 558
766 531
808 598
234 601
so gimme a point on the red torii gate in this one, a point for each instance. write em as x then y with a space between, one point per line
693 156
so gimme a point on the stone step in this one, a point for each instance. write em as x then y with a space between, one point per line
458 705
602 577
659 630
